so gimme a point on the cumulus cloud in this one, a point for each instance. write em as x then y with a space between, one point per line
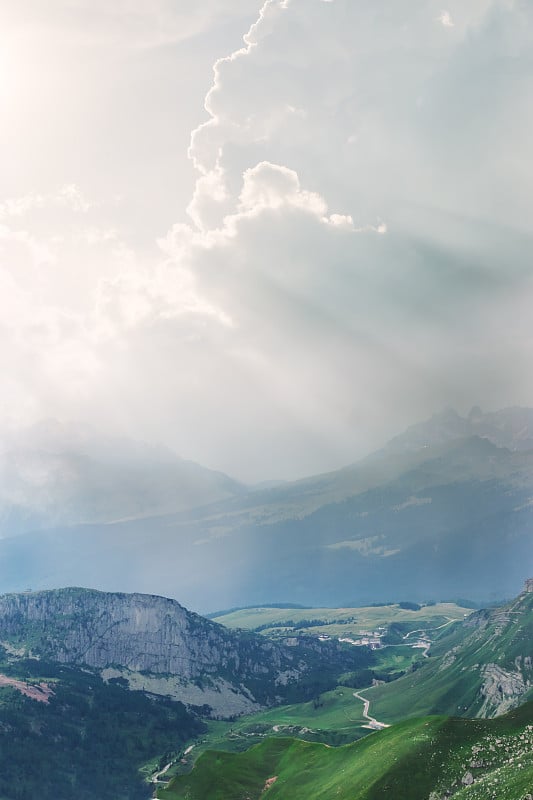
391 134
356 245
378 100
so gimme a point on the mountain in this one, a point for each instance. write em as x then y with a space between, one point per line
511 428
437 514
431 758
54 474
480 667
156 645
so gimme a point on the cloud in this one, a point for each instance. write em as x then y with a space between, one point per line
355 249
394 135
67 196
446 20
372 123
140 24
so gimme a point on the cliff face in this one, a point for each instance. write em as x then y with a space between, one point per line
137 632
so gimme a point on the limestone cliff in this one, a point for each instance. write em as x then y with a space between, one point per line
140 632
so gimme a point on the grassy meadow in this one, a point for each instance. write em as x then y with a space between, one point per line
414 760
342 621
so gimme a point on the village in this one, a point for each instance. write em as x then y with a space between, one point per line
374 640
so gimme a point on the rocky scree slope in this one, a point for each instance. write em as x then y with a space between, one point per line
159 646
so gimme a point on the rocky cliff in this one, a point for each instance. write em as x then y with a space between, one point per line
139 632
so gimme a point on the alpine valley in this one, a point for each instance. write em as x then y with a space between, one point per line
117 696
367 633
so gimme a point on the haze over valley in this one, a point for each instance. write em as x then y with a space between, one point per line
442 512
266 400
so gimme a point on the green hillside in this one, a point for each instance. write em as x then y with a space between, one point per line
481 667
333 718
58 720
73 736
415 760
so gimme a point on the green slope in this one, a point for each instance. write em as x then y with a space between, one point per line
481 667
334 718
89 741
414 760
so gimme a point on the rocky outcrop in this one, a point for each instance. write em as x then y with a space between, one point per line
501 690
145 634
136 631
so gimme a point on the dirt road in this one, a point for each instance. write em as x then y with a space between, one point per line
372 722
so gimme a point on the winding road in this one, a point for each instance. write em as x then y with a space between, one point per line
157 777
372 722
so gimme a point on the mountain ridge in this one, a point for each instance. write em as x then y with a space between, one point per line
430 521
54 475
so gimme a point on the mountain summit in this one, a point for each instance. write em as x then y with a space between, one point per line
511 428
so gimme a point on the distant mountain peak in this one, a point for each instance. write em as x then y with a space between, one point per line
55 473
511 428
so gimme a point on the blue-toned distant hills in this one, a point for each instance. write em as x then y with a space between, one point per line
444 511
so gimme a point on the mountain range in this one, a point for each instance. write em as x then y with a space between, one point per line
443 511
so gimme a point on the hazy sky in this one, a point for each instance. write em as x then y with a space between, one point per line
338 244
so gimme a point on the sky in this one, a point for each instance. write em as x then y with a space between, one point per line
268 236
